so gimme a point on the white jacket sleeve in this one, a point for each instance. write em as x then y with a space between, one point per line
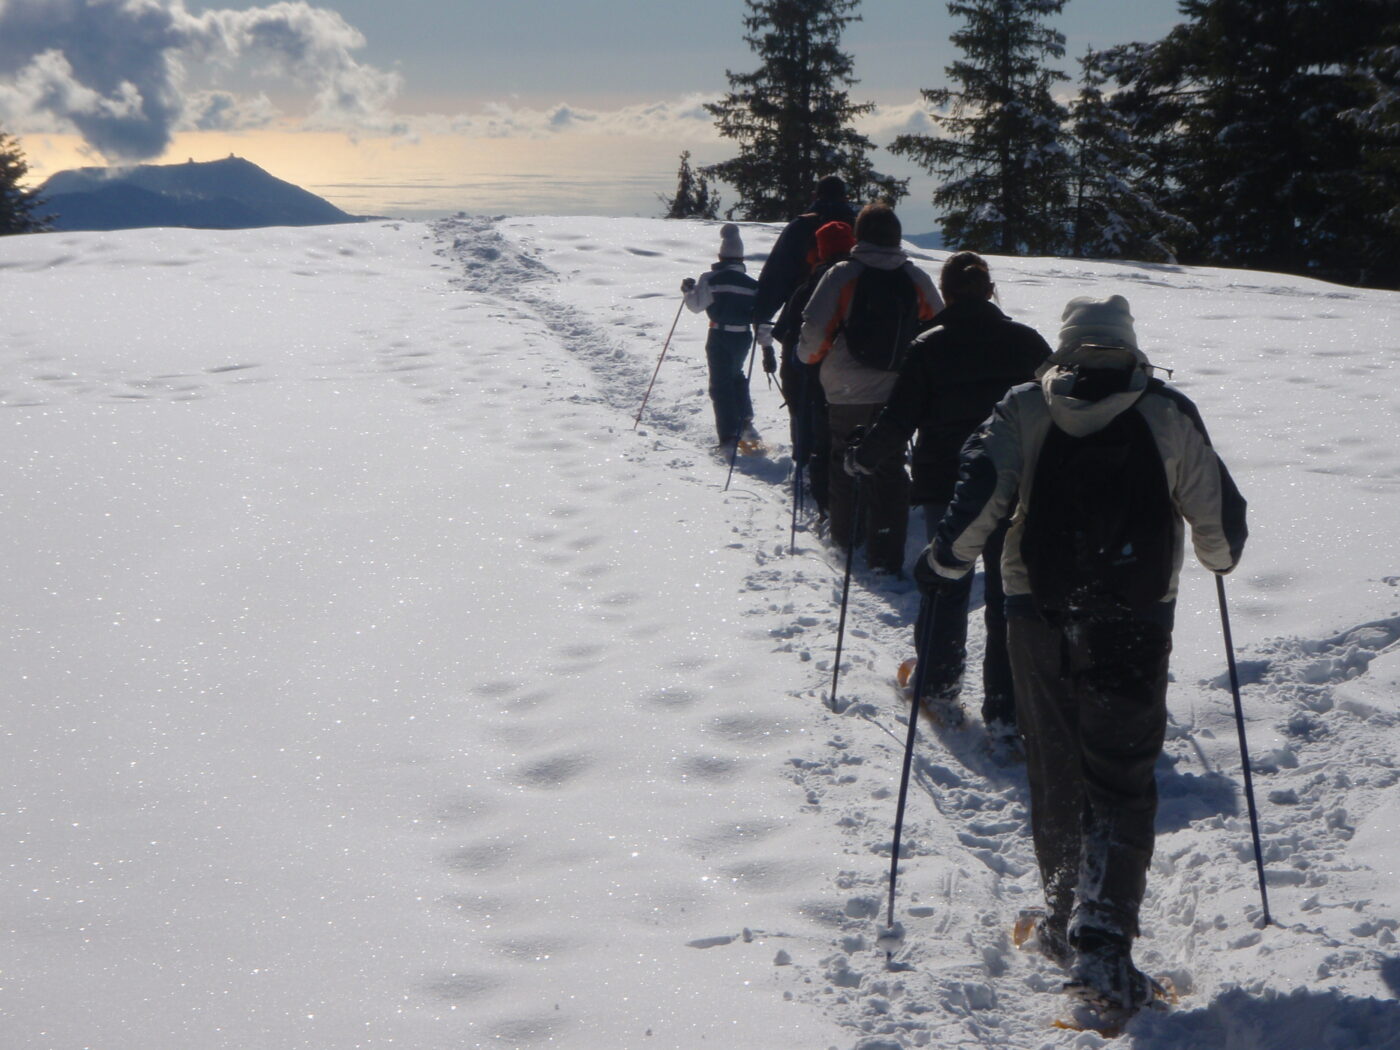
822 316
701 296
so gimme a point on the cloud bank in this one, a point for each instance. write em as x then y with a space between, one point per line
129 74
117 70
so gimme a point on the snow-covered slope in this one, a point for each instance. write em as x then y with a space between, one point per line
373 682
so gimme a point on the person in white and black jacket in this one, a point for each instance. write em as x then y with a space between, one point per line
726 294
1089 648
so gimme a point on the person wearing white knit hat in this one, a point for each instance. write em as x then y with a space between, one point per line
726 294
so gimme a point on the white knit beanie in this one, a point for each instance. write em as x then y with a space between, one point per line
1105 322
731 246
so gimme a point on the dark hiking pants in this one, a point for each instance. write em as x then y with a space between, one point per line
948 649
884 495
1091 703
727 354
806 405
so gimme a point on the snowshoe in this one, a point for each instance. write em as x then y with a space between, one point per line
1033 932
750 444
1109 1020
1105 988
943 711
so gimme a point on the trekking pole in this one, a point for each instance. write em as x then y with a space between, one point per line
1244 746
664 347
921 673
734 452
845 590
799 456
796 505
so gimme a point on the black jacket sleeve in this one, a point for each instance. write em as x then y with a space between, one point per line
784 268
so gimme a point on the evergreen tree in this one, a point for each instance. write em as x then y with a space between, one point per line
693 199
1002 155
18 206
1263 160
1117 180
792 117
1378 120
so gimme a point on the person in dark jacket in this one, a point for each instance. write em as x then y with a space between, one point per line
1090 626
955 374
794 253
801 384
726 294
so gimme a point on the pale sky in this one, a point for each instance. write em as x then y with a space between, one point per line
419 107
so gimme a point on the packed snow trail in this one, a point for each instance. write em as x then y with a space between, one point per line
958 981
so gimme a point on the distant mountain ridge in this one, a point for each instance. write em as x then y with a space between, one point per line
228 194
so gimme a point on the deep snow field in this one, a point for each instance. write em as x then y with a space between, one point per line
370 681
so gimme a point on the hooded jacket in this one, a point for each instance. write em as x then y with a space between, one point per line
845 380
952 379
999 461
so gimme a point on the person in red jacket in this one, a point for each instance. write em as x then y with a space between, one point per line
801 385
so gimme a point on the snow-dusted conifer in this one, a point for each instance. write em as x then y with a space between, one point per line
18 206
1116 180
1265 161
693 199
1001 155
792 117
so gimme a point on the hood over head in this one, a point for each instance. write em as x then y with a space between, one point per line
1098 371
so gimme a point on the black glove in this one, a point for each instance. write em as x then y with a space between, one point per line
927 577
688 284
770 360
851 461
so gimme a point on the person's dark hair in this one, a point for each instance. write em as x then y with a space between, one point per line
877 224
831 188
965 276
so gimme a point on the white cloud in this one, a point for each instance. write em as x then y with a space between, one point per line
674 118
225 111
117 70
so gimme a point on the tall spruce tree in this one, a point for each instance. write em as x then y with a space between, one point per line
19 207
1377 119
1117 180
1002 155
1267 158
792 117
694 199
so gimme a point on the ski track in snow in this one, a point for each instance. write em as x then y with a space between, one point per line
956 980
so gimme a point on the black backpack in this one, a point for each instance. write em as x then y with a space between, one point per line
883 319
1099 531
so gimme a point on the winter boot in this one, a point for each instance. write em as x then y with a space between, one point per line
1103 974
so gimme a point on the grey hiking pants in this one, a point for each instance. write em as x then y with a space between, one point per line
1091 704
